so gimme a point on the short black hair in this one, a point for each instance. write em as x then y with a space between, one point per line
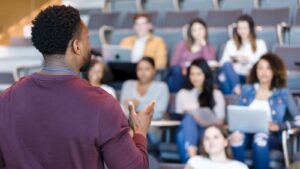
149 60
54 27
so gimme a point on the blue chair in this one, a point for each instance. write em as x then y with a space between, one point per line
97 20
271 17
222 18
201 5
245 5
291 4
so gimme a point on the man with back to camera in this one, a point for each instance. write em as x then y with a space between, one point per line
55 120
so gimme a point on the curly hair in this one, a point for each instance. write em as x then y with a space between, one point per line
54 27
279 79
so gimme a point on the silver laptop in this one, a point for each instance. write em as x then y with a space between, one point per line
114 53
247 120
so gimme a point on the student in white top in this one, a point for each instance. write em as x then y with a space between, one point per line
201 105
240 54
95 76
215 152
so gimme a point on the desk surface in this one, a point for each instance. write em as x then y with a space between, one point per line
165 123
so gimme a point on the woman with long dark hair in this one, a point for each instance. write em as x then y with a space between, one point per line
194 47
214 151
201 106
240 54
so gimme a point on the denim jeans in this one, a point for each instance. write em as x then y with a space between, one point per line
189 134
175 79
229 79
260 146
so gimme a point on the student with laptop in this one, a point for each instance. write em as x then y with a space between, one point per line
267 91
144 43
214 151
201 106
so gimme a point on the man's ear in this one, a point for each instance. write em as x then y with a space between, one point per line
76 47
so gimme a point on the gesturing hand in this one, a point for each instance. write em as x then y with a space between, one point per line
140 122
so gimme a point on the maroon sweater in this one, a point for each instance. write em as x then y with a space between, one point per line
62 122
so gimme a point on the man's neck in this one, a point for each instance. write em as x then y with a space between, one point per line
58 62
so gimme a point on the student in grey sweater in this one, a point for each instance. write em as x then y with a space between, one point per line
145 89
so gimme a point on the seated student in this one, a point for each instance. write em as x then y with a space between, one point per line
266 90
145 89
215 151
144 43
95 76
196 46
240 54
201 105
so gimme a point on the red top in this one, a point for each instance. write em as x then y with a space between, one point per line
62 122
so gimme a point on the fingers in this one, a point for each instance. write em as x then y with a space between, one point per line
150 108
132 113
131 109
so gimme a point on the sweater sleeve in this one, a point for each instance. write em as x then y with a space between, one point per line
209 52
179 102
261 50
291 105
291 110
118 148
161 54
177 54
127 42
229 50
219 108
125 91
161 102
